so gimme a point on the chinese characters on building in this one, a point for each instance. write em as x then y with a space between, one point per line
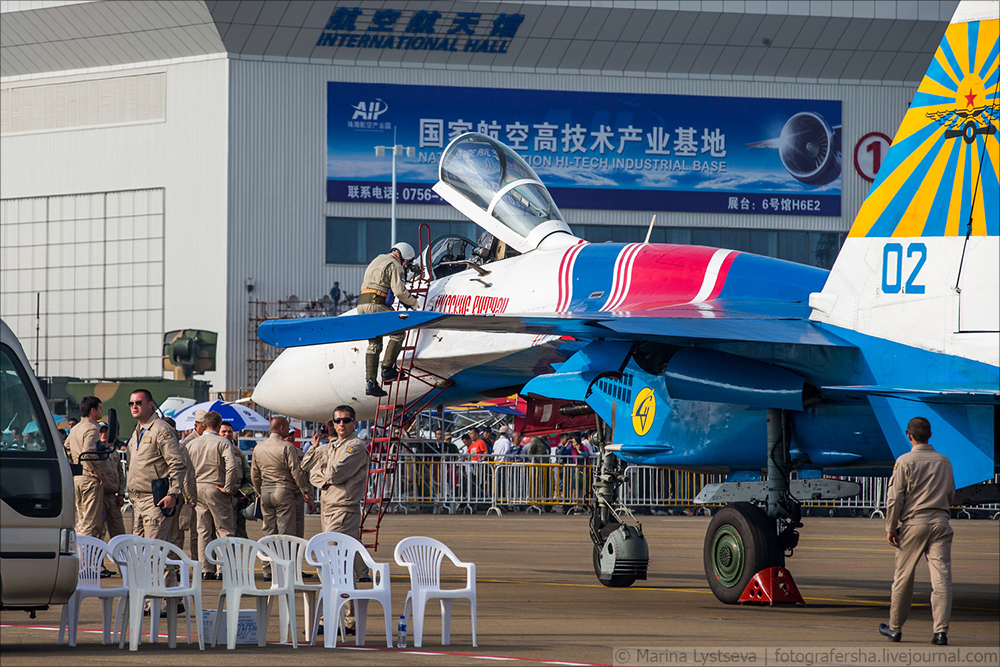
420 30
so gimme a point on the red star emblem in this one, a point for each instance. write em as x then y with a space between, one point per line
971 96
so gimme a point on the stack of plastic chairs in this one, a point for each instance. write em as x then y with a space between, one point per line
422 556
293 549
146 561
91 553
237 558
333 555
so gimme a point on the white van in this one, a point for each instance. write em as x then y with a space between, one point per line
38 563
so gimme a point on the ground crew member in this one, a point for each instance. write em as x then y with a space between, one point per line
114 488
276 473
386 272
187 515
245 486
342 475
197 429
918 507
86 437
215 468
154 453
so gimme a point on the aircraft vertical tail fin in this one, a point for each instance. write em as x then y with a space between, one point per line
920 265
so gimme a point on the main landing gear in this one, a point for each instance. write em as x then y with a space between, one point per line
621 555
743 539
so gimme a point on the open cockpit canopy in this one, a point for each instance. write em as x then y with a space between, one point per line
495 188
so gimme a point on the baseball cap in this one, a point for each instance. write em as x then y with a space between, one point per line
199 416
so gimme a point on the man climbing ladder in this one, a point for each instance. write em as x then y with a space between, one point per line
385 273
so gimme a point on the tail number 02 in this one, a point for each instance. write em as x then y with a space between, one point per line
892 268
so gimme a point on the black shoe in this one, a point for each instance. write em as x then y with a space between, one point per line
180 610
940 639
308 575
889 633
372 389
319 630
266 576
390 373
364 579
349 630
145 612
209 576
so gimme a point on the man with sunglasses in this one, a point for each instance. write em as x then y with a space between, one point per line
342 474
385 273
918 509
153 453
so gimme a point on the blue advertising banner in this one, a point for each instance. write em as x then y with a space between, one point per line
596 150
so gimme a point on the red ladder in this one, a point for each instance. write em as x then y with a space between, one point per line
393 416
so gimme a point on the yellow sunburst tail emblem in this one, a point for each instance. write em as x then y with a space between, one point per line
643 411
939 177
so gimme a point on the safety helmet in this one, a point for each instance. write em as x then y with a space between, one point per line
405 251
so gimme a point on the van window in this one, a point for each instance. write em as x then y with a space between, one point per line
29 474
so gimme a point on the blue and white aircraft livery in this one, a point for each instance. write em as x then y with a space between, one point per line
713 359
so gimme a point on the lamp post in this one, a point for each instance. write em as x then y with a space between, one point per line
395 148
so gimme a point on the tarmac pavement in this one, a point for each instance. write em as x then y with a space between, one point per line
540 603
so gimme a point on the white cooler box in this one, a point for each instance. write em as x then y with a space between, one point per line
246 630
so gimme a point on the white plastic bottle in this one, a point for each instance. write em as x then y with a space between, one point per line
401 636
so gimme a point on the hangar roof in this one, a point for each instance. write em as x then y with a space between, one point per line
830 41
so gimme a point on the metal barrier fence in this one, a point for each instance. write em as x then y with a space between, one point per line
456 483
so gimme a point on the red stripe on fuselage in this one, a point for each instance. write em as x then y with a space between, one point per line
566 277
723 273
667 275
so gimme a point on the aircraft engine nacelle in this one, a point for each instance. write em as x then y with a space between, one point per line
810 149
697 374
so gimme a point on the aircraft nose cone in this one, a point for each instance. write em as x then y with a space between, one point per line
297 385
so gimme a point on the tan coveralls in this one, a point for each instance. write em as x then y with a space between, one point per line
86 437
277 478
921 491
383 273
187 515
243 470
114 486
342 475
214 466
154 452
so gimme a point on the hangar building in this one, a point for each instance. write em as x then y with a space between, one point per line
161 159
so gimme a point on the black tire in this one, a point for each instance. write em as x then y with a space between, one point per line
617 580
741 541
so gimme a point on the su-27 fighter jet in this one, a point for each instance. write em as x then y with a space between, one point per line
711 359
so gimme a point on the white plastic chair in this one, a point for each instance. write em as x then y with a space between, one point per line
236 558
422 556
91 553
292 548
146 561
184 581
333 555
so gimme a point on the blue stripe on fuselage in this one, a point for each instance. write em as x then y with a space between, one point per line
757 278
593 273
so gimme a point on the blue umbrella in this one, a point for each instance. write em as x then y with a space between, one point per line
240 416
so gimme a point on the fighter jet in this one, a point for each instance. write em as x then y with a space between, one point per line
712 359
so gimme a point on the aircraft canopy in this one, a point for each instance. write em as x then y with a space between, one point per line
496 189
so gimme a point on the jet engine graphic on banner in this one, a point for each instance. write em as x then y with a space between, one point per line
597 150
809 148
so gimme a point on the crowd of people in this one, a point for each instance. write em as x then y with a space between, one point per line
200 482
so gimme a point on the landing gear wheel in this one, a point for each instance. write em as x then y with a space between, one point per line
740 542
614 580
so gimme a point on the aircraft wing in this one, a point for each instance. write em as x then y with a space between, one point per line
719 320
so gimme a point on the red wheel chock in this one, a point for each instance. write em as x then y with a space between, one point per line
773 585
